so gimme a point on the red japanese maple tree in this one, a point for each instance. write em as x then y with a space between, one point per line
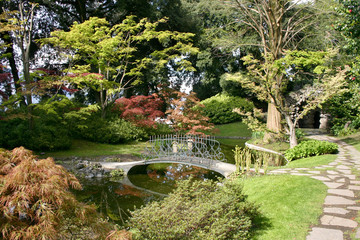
186 113
141 110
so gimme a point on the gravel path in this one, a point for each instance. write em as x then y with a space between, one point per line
342 203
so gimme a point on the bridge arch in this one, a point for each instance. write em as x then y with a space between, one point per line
201 151
223 168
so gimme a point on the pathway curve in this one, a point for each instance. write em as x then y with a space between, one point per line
342 204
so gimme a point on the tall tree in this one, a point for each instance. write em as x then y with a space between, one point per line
271 27
105 58
278 24
308 80
24 37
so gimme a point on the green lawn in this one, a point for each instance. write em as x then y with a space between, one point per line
280 147
309 162
238 129
82 148
290 203
353 139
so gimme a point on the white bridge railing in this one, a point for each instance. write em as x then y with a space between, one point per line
200 150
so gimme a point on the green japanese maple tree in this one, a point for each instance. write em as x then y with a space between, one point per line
105 58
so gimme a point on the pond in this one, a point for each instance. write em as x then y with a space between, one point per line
115 197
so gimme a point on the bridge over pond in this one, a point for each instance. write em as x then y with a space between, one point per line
198 151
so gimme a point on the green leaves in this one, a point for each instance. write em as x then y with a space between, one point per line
197 210
311 148
108 58
349 24
111 50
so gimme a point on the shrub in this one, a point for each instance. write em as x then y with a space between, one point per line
36 202
340 128
196 210
45 129
110 131
311 148
219 108
342 131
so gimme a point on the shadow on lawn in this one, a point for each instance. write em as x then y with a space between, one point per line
260 225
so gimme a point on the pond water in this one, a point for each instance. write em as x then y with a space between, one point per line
115 197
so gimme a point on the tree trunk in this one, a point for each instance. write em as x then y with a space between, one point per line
273 121
292 132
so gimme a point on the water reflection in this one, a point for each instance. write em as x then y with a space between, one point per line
115 197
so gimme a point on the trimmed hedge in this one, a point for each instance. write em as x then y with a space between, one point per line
311 148
219 108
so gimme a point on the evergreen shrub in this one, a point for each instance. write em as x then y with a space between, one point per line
45 129
219 108
197 210
110 131
311 148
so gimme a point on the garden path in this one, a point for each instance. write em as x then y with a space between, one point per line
342 203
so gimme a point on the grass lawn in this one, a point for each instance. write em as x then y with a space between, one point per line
290 203
309 162
82 148
353 139
280 147
238 129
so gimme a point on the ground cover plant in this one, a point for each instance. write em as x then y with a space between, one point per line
236 129
312 161
311 148
282 201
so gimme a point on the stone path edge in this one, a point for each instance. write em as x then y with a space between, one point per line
341 205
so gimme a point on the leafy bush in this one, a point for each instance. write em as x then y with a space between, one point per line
219 108
311 148
258 135
196 210
36 202
343 129
45 129
160 129
340 130
299 134
110 131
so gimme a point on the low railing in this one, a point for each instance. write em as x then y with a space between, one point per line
193 149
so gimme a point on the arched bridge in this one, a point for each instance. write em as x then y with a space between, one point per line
199 151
